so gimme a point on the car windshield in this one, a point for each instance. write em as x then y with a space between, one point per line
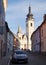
20 52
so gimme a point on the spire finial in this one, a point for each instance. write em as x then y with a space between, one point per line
29 9
19 29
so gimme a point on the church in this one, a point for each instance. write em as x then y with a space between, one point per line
25 39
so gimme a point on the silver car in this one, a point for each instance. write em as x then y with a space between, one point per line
19 56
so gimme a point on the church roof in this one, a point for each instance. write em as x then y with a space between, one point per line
23 36
29 15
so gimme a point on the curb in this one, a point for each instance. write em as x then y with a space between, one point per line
9 61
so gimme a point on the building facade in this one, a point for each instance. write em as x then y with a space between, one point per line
10 41
16 43
5 3
43 35
39 38
36 43
22 39
25 39
2 29
29 28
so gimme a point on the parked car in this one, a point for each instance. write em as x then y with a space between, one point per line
19 56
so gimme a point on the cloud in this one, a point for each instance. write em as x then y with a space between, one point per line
17 11
22 8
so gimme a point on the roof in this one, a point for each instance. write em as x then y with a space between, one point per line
44 21
23 36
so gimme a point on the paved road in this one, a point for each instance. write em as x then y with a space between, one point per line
35 59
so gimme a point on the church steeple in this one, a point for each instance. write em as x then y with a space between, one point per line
29 10
29 27
30 15
19 29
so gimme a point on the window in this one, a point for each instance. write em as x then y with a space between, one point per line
0 9
36 41
42 32
31 24
24 45
27 25
20 38
27 37
1 29
42 45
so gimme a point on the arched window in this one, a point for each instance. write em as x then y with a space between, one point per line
31 24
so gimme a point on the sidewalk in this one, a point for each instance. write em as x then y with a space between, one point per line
5 59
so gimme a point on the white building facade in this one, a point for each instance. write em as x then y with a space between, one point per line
22 39
29 28
25 39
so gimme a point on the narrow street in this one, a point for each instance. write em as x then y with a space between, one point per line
34 59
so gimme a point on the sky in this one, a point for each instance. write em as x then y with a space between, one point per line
18 9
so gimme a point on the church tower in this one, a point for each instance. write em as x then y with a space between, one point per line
19 36
29 27
19 32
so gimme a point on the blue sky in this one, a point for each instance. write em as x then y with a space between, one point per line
18 9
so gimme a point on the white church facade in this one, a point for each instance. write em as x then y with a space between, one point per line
22 39
29 28
25 39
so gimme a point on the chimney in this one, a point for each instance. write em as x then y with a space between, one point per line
44 17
